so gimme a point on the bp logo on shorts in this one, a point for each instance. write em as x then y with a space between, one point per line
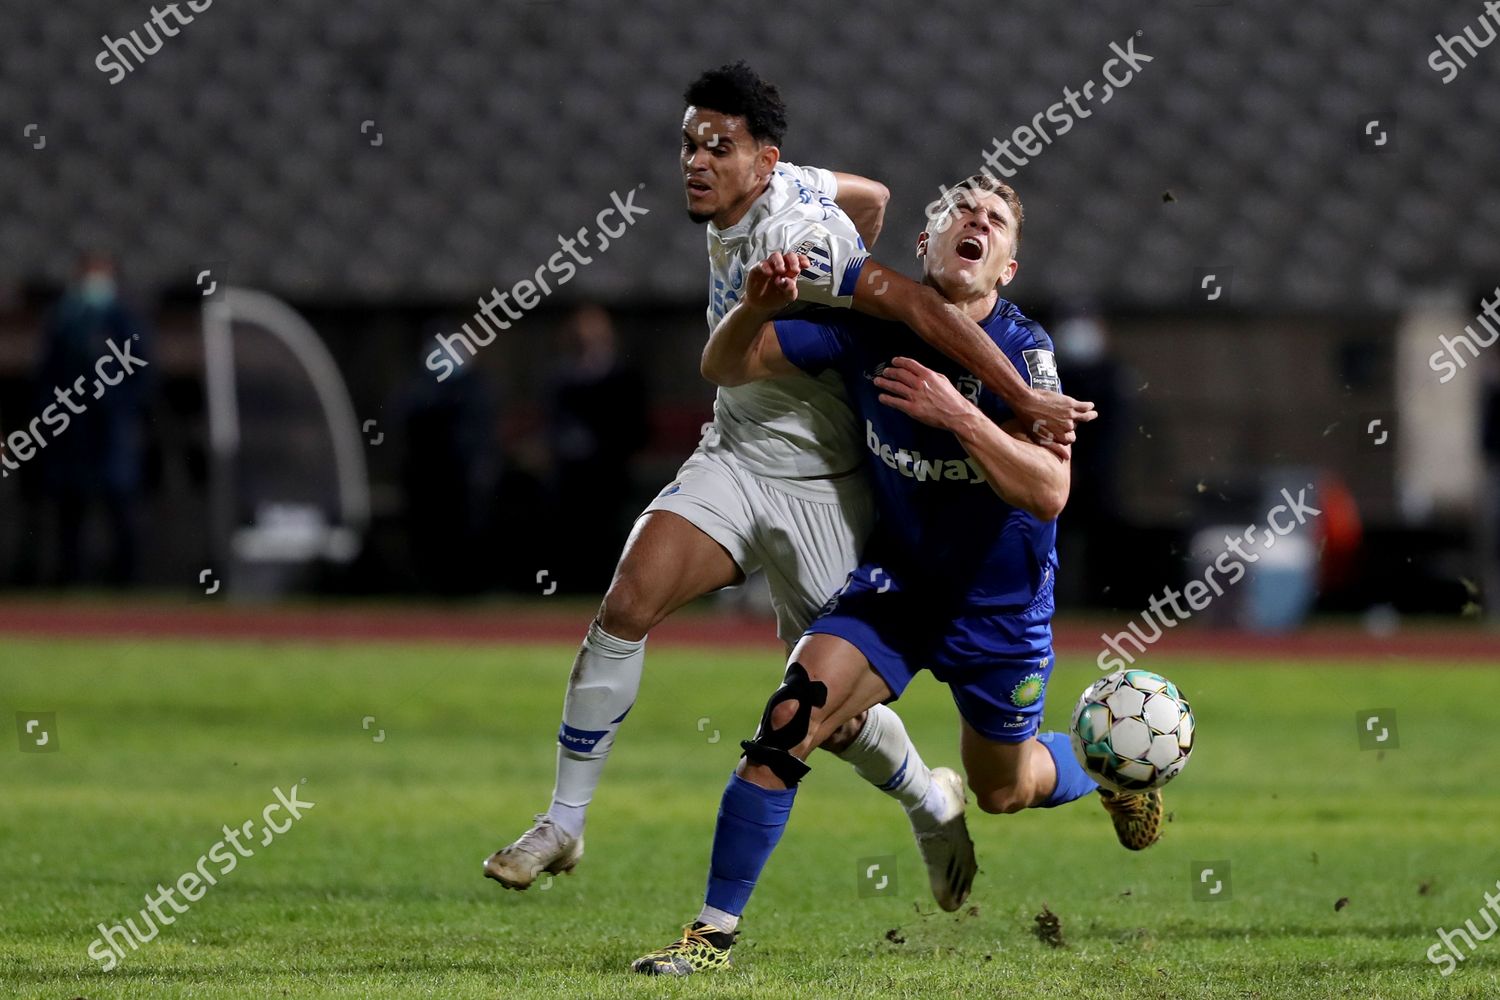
1028 690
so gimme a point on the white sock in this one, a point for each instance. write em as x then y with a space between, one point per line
569 818
601 690
718 918
884 756
933 808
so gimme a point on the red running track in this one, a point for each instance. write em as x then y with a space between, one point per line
516 623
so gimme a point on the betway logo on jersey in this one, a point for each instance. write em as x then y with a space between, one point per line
912 465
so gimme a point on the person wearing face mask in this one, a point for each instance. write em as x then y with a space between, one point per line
95 465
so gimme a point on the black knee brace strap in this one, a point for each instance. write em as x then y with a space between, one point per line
772 746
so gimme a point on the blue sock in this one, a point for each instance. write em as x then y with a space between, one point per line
1073 782
751 819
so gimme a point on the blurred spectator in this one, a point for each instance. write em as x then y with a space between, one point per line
449 470
1089 541
97 462
597 421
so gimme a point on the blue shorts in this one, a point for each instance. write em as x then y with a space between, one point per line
996 664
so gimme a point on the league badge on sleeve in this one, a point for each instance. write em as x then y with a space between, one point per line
1042 367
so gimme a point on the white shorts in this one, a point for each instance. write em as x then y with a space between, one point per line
806 534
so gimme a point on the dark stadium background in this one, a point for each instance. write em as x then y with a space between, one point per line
1242 150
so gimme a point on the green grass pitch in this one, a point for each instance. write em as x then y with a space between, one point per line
376 891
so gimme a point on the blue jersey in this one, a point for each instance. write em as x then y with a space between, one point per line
942 529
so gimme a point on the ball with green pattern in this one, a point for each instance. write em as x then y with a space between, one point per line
1132 730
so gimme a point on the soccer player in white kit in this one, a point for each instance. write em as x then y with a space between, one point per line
775 482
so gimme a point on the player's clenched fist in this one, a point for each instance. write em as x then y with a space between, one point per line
772 284
922 394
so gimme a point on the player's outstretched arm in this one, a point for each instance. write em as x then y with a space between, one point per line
864 201
1025 475
1050 416
744 347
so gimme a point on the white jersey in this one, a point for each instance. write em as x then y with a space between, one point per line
799 426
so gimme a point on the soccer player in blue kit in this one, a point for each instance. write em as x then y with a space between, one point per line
957 577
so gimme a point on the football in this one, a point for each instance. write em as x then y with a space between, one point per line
1132 731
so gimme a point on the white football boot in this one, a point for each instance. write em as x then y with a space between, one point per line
946 848
543 848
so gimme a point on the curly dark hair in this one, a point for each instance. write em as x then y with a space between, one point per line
736 89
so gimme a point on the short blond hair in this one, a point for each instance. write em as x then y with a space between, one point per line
989 183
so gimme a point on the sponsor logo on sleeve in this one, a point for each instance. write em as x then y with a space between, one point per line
820 259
